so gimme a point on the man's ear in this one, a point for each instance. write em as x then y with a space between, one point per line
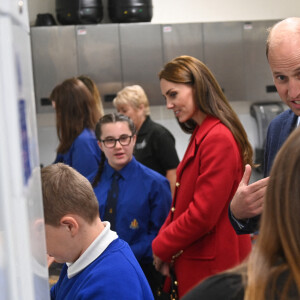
70 223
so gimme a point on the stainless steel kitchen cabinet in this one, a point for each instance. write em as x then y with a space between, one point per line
258 77
141 58
182 39
54 56
223 54
117 55
99 57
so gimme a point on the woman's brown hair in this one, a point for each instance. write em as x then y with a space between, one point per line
91 85
209 98
75 111
277 249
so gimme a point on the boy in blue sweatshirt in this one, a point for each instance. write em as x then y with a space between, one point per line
98 265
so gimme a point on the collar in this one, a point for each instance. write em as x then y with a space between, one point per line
124 172
93 251
201 130
198 134
108 170
146 124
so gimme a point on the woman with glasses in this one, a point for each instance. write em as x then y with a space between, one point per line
155 144
133 198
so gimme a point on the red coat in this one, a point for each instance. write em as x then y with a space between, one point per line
198 223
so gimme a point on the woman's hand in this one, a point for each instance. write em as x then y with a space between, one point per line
160 266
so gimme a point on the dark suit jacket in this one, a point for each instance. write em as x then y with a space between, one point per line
278 131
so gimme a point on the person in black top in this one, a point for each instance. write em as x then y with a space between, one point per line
155 145
272 270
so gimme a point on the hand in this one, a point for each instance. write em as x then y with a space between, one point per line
248 199
160 266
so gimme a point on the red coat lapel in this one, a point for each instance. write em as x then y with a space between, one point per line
197 136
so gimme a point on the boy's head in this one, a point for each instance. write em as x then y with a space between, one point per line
71 212
65 191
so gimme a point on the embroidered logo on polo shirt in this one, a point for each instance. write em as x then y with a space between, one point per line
141 145
134 224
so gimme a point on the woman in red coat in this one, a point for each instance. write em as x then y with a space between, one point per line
197 239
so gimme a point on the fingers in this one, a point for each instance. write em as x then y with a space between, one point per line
257 211
255 207
157 266
248 199
247 174
161 266
259 186
252 204
165 269
157 262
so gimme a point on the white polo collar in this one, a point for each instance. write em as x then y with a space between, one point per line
93 251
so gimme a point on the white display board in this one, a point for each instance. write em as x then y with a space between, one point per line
23 266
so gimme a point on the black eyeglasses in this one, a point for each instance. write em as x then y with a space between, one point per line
124 140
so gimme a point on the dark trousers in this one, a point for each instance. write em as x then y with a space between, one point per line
155 280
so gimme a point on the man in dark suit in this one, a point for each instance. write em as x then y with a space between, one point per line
283 54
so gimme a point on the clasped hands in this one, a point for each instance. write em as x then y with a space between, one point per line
161 266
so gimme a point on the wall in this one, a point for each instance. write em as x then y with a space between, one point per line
179 11
219 10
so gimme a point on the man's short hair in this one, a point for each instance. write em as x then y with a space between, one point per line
66 191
